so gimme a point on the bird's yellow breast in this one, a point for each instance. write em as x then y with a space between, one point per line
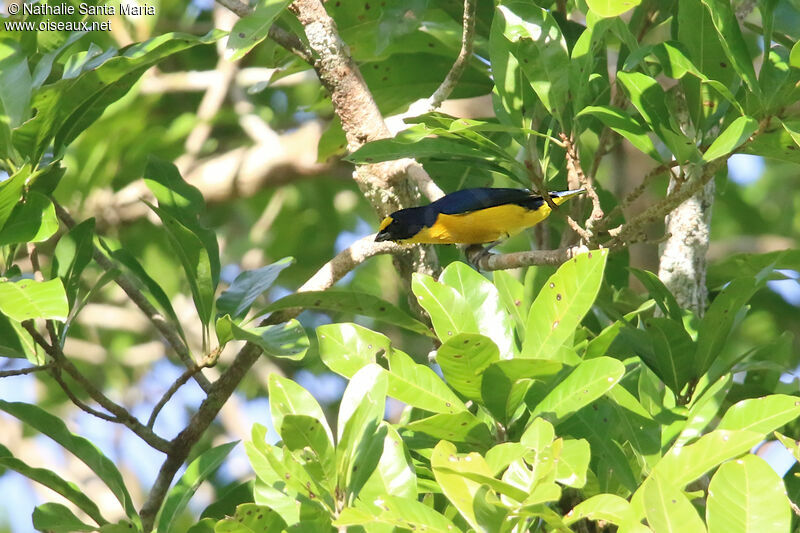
481 226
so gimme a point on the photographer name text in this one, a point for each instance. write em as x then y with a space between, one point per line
88 9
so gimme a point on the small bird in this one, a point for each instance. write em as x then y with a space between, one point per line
470 216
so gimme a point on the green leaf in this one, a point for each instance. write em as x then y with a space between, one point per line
252 518
346 348
200 469
16 342
15 83
682 465
54 427
673 352
463 359
150 285
794 55
404 78
718 321
53 481
650 100
747 496
660 293
32 220
426 147
195 259
460 491
57 518
252 29
732 41
181 199
611 8
28 299
248 286
562 303
359 303
287 340
395 474
538 45
184 202
731 138
761 415
419 386
463 427
668 510
587 382
447 308
302 433
361 431
398 512
606 507
483 298
503 383
624 124
288 398
703 410
11 192
573 463
67 107
72 254
512 294
512 94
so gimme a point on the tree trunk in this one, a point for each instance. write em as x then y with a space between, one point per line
682 261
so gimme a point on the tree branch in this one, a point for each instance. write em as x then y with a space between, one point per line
120 414
25 371
136 296
467 37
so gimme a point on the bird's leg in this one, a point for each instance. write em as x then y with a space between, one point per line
476 252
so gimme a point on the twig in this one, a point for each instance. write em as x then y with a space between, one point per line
576 178
121 415
136 296
33 253
25 371
56 373
670 202
209 360
467 37
635 193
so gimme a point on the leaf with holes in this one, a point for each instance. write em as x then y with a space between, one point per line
562 303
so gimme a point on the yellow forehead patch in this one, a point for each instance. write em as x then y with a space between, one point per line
386 221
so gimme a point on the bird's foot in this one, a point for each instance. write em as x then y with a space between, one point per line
476 253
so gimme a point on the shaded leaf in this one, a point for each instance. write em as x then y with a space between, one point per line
358 303
33 220
248 286
200 469
252 29
287 340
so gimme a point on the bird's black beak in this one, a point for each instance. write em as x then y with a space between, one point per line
382 236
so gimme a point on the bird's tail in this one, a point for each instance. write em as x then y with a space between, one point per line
562 196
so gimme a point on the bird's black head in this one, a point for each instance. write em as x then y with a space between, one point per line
401 225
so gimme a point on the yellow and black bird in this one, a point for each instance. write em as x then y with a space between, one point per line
470 216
